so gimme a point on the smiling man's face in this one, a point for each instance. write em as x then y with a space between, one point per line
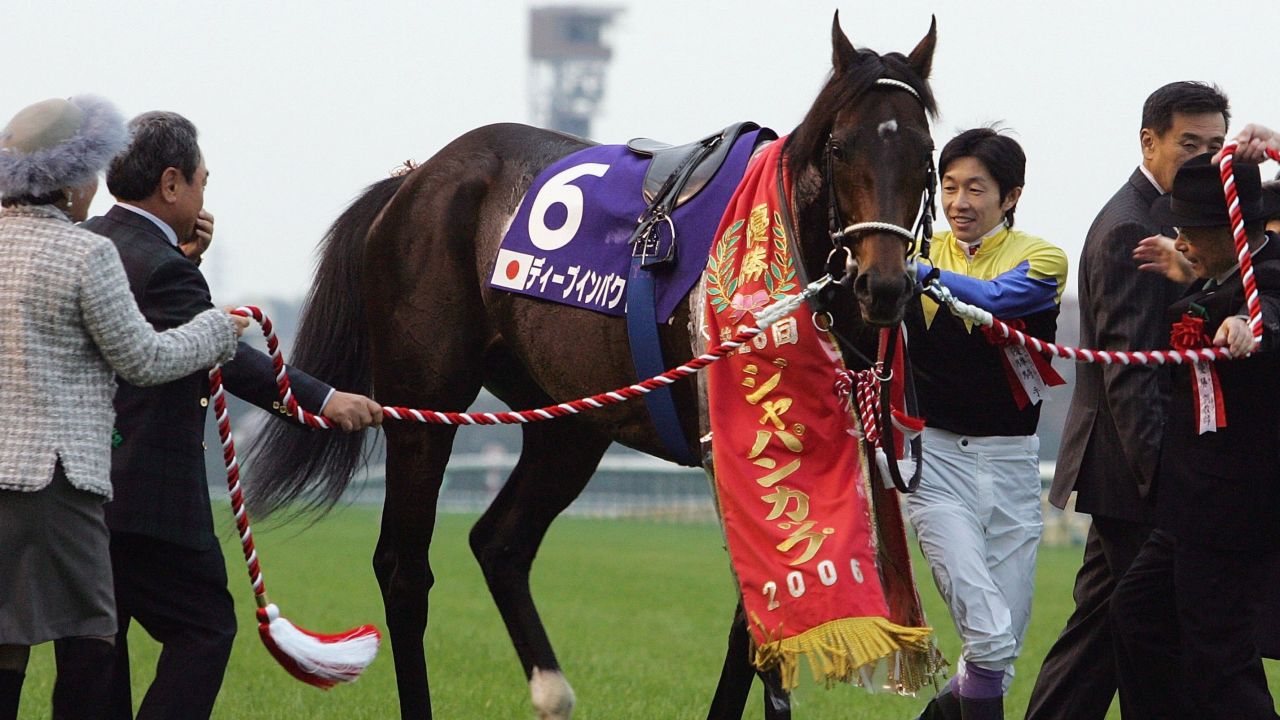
971 199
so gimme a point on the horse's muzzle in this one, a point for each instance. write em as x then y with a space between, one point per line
883 298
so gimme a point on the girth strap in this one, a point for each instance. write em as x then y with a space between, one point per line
682 172
646 355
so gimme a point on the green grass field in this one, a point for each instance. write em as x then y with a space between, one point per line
638 612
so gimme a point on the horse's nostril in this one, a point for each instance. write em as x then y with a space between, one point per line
862 285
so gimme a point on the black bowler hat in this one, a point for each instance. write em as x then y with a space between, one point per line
1197 198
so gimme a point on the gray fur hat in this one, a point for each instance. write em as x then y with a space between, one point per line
59 143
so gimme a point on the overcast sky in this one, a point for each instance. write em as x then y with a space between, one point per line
302 104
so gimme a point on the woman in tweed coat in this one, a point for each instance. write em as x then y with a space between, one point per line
69 325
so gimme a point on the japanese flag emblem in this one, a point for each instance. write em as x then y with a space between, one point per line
511 270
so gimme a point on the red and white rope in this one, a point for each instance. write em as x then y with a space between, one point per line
979 316
764 319
282 375
1226 168
1140 357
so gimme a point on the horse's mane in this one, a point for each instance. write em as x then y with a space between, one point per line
809 138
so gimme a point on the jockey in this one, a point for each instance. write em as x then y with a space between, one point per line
977 509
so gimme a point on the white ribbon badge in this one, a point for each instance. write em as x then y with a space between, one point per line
1027 372
1206 401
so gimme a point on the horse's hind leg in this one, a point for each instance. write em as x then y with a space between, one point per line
416 457
444 379
736 676
557 460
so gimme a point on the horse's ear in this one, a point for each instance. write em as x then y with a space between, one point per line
842 52
921 58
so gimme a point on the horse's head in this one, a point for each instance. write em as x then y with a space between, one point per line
862 163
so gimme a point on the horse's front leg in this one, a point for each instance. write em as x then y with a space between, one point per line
736 675
416 457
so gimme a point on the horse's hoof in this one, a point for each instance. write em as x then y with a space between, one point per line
552 697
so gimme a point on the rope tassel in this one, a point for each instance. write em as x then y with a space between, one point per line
319 660
906 424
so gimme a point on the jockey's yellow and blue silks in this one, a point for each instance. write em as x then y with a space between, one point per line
961 378
1012 275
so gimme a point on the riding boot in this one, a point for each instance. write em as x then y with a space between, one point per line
984 709
944 706
10 693
84 678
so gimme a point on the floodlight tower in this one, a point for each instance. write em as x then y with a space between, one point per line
568 58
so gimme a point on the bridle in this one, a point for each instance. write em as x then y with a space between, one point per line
844 237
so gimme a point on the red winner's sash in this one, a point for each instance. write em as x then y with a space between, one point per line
796 502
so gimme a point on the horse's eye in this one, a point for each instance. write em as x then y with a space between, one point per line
837 151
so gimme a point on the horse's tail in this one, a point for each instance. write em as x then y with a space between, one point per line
287 461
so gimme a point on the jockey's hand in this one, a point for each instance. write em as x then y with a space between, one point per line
1157 254
1253 141
350 411
1235 336
201 237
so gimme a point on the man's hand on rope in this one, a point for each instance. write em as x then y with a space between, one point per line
1234 334
1157 254
352 412
1254 140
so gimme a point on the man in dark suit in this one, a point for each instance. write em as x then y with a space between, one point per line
1111 440
1187 612
169 570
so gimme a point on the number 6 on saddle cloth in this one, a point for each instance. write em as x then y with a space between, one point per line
566 241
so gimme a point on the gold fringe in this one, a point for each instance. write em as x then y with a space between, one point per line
841 650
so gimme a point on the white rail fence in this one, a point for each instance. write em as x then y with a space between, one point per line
638 486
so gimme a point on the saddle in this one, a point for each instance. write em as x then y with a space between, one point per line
675 175
704 157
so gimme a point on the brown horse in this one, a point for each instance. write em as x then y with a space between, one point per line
400 305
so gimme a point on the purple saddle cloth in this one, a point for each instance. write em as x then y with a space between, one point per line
568 241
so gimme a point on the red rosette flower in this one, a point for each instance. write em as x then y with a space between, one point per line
1188 333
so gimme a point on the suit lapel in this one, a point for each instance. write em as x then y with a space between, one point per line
1149 194
1144 187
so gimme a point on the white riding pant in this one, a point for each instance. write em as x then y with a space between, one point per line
977 516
